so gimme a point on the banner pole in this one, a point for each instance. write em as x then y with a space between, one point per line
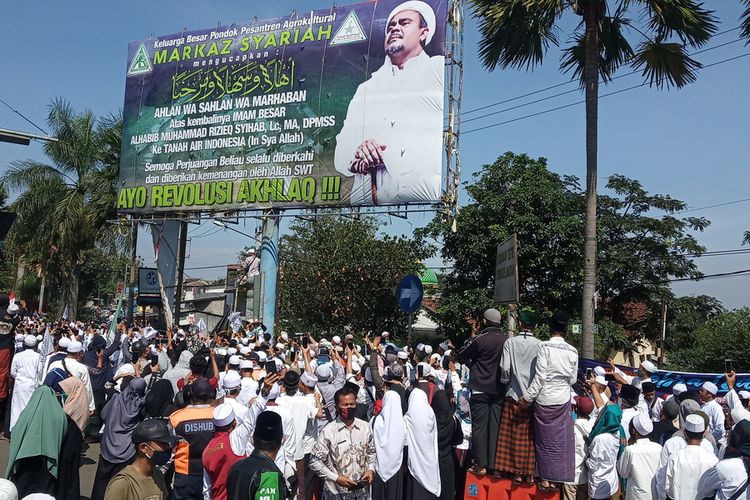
269 263
133 269
180 272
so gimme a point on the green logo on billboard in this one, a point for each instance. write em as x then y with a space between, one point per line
140 63
350 31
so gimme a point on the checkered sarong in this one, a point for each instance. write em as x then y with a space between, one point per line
515 440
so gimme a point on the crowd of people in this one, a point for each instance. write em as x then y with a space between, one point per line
246 414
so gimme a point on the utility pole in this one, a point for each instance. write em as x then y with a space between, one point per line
269 264
133 269
180 271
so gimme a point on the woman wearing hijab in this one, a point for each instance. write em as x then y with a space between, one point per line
76 408
120 415
179 371
389 434
729 478
159 400
605 446
422 438
35 444
96 359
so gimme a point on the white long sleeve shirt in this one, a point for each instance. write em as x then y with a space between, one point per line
602 466
285 456
685 470
672 446
303 410
638 464
581 429
401 109
716 419
725 479
81 372
556 372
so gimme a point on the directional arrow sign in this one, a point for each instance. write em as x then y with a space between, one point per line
409 293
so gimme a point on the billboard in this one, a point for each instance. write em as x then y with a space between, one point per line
336 107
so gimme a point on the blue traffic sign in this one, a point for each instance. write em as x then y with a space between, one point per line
409 293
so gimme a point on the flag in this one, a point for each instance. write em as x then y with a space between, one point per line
202 329
43 352
165 302
235 321
113 322
65 313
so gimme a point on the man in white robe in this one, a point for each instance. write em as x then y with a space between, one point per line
72 363
687 466
23 369
392 136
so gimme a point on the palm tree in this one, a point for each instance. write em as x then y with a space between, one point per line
62 207
517 34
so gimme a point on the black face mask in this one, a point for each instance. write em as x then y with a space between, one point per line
160 458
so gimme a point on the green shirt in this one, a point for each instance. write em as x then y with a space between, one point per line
129 484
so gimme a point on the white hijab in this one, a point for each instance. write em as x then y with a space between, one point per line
421 437
389 434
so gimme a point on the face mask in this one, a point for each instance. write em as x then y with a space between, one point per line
346 413
160 458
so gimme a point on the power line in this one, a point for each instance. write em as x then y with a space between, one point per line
744 200
583 101
24 117
730 274
562 84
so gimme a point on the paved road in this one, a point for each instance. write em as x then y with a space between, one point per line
88 466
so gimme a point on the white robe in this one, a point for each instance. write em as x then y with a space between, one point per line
24 370
685 470
421 437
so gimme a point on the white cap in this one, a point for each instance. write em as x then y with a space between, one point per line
244 340
739 414
420 347
385 334
39 338
336 339
234 360
356 367
280 346
12 308
75 347
435 356
231 380
29 341
232 351
424 10
643 424
284 335
403 355
428 349
245 350
649 366
223 415
710 387
262 357
8 490
323 372
19 337
744 394
678 389
599 370
221 351
63 343
246 364
695 423
308 380
600 380
426 369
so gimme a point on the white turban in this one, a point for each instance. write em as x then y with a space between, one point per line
424 9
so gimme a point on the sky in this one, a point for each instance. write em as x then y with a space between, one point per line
688 143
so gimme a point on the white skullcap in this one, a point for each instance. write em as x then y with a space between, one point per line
323 372
75 347
385 334
221 351
274 392
402 355
643 424
39 338
336 339
12 308
679 389
435 356
600 380
744 394
231 380
426 369
695 423
280 346
284 335
262 357
8 490
29 341
308 380
356 367
424 9
428 349
223 415
649 366
739 414
245 350
20 337
246 364
599 370
234 360
420 347
232 351
710 387
154 351
350 377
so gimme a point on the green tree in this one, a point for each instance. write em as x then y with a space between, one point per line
685 315
640 252
725 336
62 207
338 272
517 34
